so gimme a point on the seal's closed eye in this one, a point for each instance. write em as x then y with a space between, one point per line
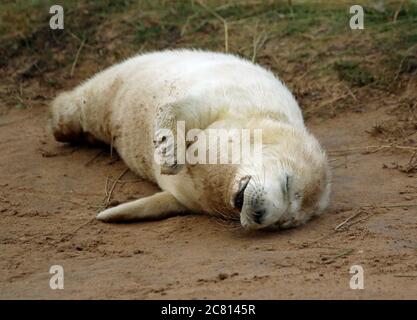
239 197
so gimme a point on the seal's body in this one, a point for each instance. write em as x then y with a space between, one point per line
127 105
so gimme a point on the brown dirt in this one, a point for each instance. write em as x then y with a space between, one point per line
49 193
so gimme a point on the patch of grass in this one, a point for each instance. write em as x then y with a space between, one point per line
309 42
145 32
354 73
108 7
20 106
301 26
408 64
408 39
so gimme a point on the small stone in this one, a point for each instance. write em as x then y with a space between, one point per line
223 276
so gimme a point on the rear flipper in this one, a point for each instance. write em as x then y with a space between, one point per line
65 120
157 206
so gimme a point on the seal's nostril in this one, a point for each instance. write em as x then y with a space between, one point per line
240 195
257 216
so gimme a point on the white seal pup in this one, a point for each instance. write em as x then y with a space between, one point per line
127 106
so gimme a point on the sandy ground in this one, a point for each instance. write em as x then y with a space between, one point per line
49 194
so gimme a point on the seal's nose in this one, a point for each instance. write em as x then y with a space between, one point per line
258 215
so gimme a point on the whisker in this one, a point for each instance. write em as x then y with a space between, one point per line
231 225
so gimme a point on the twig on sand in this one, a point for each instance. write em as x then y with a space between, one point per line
93 158
368 149
342 254
360 210
73 232
73 202
411 165
410 205
110 193
76 58
405 275
325 103
305 245
348 219
126 180
106 187
364 209
226 32
360 220
82 225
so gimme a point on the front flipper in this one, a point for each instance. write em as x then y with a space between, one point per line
174 120
165 140
158 206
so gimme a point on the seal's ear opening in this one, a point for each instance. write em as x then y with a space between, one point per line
240 194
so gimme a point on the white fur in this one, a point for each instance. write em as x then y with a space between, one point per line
122 105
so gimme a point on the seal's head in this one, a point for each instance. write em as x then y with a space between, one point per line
291 185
